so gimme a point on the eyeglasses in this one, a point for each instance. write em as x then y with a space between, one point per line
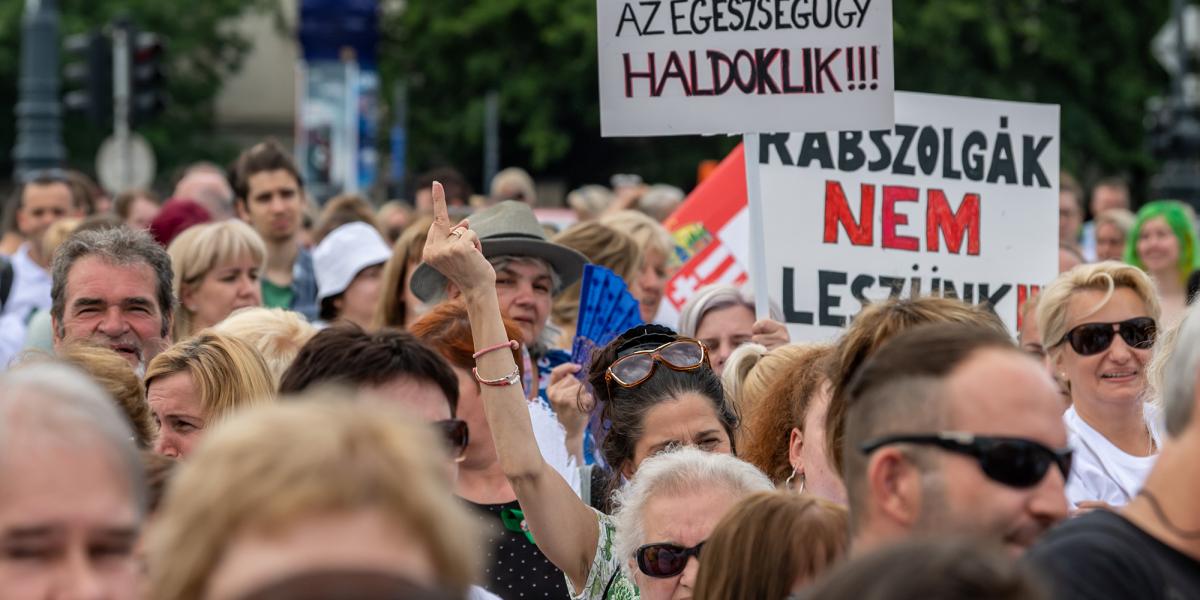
635 368
665 560
1094 338
1015 462
456 435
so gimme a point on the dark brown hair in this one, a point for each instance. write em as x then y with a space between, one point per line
623 410
345 354
768 426
872 327
341 210
931 569
259 158
768 541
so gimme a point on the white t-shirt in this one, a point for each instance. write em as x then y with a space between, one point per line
1100 470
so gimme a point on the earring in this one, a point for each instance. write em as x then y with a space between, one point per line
787 483
803 479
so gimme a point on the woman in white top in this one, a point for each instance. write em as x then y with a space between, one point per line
1100 321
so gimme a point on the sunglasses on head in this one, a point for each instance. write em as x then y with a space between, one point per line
665 560
1094 338
1015 462
635 368
456 435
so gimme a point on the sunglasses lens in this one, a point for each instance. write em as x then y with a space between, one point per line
457 438
662 560
1092 338
632 368
683 355
1139 333
1017 464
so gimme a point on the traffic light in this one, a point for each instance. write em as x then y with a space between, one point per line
88 76
147 78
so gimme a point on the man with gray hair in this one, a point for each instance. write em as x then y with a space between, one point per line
207 184
112 288
72 496
952 429
1149 549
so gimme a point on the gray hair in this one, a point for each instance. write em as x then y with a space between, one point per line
63 403
686 469
118 246
716 297
1179 386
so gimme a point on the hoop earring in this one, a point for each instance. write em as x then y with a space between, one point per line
787 483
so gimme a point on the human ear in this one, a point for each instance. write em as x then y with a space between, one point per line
894 486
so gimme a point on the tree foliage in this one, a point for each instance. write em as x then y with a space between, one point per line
1092 57
201 51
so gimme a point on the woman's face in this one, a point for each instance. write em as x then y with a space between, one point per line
1116 375
724 329
651 282
1110 242
141 213
819 477
525 290
684 519
178 413
470 409
1157 246
363 539
357 304
686 420
224 289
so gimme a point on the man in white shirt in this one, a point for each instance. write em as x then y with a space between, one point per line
41 201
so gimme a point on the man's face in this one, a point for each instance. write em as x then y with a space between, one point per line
526 290
68 523
41 206
997 393
114 306
1070 218
209 188
273 205
1107 197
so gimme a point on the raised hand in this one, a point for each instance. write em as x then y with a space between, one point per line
770 333
455 251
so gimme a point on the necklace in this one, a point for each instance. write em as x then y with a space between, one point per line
1166 522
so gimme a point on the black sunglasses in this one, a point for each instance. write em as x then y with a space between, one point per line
1015 462
1094 338
456 435
665 560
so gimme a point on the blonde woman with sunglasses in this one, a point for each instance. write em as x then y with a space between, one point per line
657 392
1099 324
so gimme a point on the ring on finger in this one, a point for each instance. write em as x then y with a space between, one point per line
458 233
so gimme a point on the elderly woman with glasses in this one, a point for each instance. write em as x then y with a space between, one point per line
657 392
1099 324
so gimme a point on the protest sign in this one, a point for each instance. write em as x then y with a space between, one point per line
960 199
674 67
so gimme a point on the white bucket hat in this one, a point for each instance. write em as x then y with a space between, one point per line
345 252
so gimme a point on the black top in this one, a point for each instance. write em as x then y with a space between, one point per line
514 568
1101 555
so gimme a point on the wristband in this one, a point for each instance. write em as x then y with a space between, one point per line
513 378
509 344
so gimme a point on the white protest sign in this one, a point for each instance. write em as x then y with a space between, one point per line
674 67
959 199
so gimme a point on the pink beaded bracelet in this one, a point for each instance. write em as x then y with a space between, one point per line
509 344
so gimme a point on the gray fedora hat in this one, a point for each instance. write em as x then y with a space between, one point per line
507 228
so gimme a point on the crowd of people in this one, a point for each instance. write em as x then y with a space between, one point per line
233 394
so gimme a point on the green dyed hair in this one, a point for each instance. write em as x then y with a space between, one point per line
1179 217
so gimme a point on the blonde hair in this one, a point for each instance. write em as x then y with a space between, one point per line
648 233
200 249
113 373
275 465
1120 218
1105 277
56 234
276 333
406 255
227 373
752 370
604 246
